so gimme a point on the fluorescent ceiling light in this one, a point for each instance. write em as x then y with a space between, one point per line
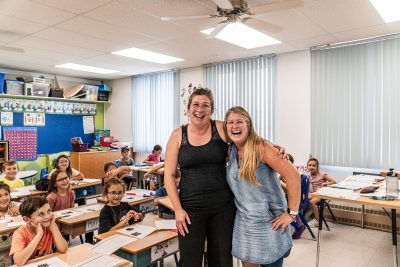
73 66
387 9
242 35
147 55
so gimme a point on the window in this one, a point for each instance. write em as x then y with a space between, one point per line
155 109
355 100
249 83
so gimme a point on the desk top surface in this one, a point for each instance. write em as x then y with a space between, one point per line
81 218
78 254
147 242
14 219
23 174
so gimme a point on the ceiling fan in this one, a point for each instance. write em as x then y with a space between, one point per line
238 11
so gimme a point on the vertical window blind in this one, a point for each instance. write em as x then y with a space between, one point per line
355 96
155 109
249 83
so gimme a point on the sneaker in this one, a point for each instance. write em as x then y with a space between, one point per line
313 223
297 234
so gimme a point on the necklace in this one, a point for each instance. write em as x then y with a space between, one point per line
115 218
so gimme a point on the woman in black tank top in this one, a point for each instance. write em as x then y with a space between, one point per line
204 208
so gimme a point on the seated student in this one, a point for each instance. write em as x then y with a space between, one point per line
155 156
63 163
116 214
10 170
7 207
318 179
162 192
126 160
150 180
111 170
40 233
60 197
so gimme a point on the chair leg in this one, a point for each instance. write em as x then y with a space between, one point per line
81 238
303 220
331 212
326 224
176 259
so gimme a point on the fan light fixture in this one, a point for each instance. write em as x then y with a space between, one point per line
387 9
147 55
242 35
73 66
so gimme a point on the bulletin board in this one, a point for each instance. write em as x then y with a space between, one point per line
56 134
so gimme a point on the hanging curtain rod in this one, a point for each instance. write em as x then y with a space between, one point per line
237 60
357 42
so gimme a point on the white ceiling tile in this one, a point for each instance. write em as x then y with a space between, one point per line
393 27
341 15
360 33
74 6
27 10
79 40
15 28
103 31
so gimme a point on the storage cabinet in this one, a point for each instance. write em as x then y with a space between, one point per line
91 163
3 153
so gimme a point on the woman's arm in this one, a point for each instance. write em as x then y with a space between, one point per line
171 162
287 170
220 129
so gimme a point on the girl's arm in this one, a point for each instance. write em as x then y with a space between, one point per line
287 170
72 204
60 242
147 160
171 162
76 175
329 180
153 169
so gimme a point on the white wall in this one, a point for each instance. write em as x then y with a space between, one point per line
293 125
188 76
118 114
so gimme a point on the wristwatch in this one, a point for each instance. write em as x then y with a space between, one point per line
293 213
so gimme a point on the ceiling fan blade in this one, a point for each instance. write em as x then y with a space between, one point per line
223 4
217 30
261 25
12 49
281 5
188 17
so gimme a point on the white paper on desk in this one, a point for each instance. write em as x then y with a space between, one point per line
138 231
89 180
88 125
6 219
109 245
165 224
90 208
50 262
14 224
66 214
339 193
141 192
100 260
130 198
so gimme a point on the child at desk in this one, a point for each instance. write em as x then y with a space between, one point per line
40 233
318 179
63 163
116 214
150 180
10 170
155 156
7 207
111 170
163 211
126 160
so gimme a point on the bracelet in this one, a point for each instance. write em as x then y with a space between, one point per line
292 216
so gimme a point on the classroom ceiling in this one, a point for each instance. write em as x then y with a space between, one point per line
53 32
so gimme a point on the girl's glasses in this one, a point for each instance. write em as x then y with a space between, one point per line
63 179
114 194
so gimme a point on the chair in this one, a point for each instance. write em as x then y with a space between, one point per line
44 173
305 184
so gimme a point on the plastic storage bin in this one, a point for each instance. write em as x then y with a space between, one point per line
14 87
91 92
41 89
80 147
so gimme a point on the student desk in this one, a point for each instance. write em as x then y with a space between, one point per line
165 201
78 254
362 200
139 251
81 224
141 171
145 204
8 231
22 192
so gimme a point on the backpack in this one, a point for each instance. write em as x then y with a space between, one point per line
42 185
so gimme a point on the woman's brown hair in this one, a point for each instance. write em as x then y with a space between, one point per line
202 91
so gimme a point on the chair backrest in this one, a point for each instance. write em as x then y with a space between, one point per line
117 161
305 185
44 173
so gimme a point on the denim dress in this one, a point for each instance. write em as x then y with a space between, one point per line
254 240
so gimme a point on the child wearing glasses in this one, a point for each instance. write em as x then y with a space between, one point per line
60 196
116 214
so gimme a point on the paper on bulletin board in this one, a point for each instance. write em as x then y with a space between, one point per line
88 124
7 118
34 119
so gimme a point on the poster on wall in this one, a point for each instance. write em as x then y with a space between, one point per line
88 124
34 119
22 142
6 118
184 98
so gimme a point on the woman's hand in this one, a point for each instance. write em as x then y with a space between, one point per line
181 218
13 212
281 221
282 151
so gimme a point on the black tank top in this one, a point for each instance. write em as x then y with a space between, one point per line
203 171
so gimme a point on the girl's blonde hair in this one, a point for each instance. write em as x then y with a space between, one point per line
252 150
